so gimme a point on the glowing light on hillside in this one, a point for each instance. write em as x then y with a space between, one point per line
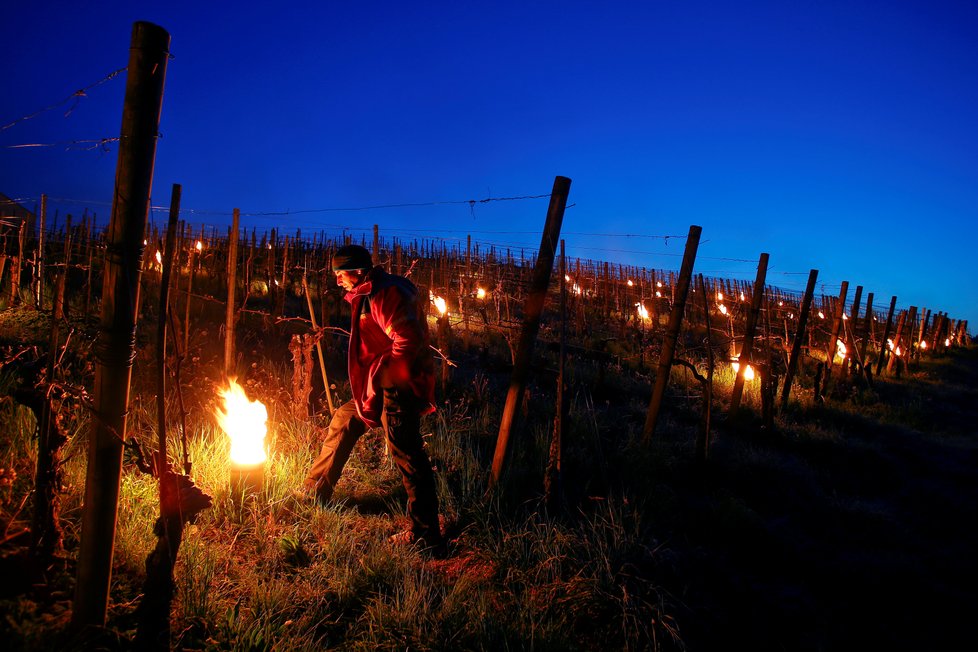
642 311
244 421
748 371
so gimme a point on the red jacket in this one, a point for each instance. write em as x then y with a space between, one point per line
388 344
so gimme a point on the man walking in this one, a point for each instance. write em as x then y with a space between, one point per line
393 384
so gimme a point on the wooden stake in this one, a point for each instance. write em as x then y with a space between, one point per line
747 349
806 305
531 321
672 333
229 317
114 350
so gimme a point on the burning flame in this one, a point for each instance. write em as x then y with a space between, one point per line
748 370
719 296
780 303
742 297
439 303
576 289
642 311
821 315
567 278
159 257
658 284
244 422
923 344
845 316
889 343
658 294
630 284
480 293
200 245
947 341
840 349
723 308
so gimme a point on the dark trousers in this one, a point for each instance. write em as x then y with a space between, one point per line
402 426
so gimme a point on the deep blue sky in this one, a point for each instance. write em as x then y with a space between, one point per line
841 136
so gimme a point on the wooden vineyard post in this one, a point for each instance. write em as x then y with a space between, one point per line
319 346
900 350
533 309
115 347
46 537
232 281
672 332
16 267
553 488
703 437
881 359
806 306
864 334
831 347
847 329
39 267
376 249
747 349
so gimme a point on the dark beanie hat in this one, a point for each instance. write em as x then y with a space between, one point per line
350 257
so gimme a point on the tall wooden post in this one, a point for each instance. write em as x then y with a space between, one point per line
830 348
376 249
864 334
15 268
532 311
115 347
39 267
553 489
703 436
746 351
850 342
886 334
806 306
672 332
229 320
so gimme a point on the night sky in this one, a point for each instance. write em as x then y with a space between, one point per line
840 136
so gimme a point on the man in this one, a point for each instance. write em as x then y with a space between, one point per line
393 384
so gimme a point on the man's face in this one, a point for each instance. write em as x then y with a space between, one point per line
348 278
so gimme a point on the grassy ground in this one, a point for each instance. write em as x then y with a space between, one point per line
852 525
